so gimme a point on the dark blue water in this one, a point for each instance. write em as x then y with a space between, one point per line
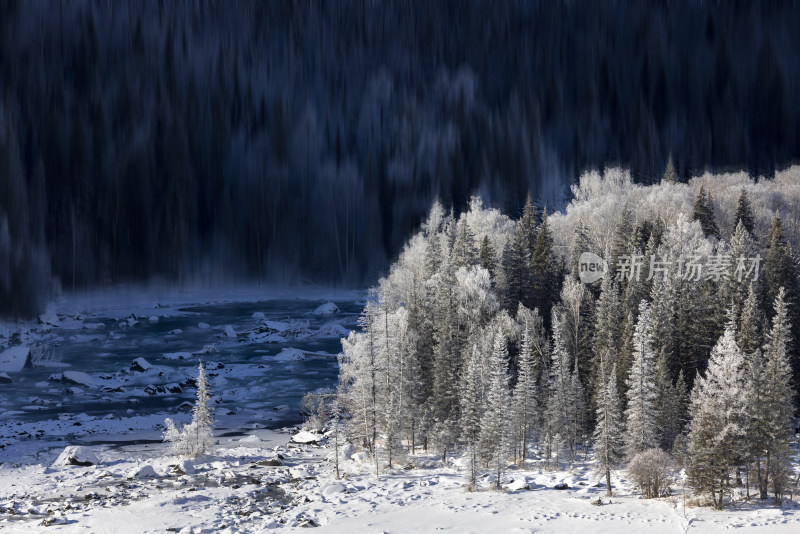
251 387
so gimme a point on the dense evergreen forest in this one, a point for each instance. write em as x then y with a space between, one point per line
484 342
273 141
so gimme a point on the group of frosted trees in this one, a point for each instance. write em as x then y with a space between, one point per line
482 342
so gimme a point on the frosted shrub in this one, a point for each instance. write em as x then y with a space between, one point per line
651 471
194 439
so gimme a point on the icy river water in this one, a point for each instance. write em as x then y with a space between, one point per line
113 379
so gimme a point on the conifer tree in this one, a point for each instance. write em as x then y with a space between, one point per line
488 258
578 245
607 334
525 409
744 213
641 413
494 432
608 439
194 439
621 244
516 264
527 225
545 271
733 289
780 270
771 410
557 413
577 413
704 212
718 410
751 320
464 253
471 409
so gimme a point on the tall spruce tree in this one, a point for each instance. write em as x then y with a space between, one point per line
641 413
471 409
546 271
704 212
525 405
744 213
559 395
494 434
771 410
780 270
607 334
719 413
609 443
488 258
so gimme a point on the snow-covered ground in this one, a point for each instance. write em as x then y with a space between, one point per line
265 482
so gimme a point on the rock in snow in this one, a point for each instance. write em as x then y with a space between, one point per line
76 456
518 484
140 365
144 471
290 355
306 437
185 467
14 359
78 378
326 309
49 318
333 489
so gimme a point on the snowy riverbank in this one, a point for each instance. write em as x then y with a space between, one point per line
264 482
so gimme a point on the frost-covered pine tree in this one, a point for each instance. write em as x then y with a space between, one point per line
607 333
494 442
194 439
751 323
772 404
719 412
560 396
471 409
641 413
525 409
464 253
608 437
744 212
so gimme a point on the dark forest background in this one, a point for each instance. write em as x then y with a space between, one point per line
304 141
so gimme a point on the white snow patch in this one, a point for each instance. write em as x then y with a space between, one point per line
230 332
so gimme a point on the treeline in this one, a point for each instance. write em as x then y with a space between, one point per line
483 339
271 140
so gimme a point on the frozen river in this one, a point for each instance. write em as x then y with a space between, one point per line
85 387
